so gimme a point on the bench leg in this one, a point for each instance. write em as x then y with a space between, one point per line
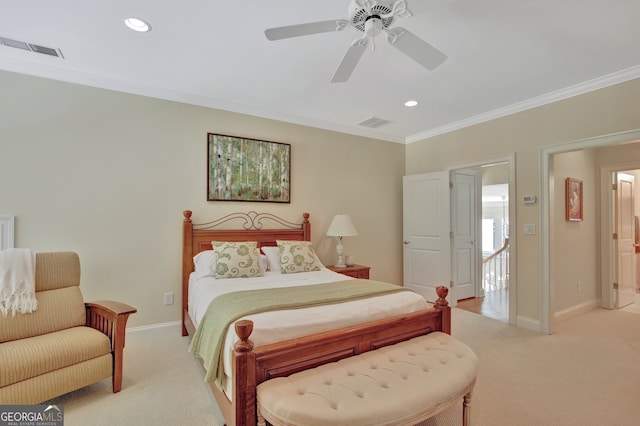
260 420
466 409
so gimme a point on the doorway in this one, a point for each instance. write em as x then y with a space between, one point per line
492 298
620 147
429 233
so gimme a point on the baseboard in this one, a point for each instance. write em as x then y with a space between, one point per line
168 326
573 311
528 324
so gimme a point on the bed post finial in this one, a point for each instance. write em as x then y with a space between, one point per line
306 227
442 293
443 306
243 330
187 215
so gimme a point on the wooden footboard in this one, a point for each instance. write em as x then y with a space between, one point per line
252 366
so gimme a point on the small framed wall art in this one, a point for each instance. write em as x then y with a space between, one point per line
573 202
243 169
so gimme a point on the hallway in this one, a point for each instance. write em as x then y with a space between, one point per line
494 304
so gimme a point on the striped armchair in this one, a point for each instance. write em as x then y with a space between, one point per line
65 344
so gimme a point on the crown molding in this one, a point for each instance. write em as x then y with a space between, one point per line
558 95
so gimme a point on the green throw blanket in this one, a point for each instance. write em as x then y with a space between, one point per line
224 310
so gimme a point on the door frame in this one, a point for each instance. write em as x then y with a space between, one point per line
510 159
546 308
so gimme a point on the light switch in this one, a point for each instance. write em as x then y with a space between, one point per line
529 229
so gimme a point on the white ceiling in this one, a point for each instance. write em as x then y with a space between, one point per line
503 56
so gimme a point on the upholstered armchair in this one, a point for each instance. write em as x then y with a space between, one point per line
65 344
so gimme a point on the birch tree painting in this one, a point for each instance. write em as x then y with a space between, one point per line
241 169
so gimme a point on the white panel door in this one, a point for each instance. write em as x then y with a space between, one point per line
426 227
625 242
464 199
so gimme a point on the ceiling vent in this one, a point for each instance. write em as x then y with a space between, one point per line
374 122
31 47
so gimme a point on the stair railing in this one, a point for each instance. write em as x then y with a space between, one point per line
495 269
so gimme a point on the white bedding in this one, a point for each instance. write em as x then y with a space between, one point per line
270 327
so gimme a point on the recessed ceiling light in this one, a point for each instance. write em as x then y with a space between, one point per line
137 25
411 103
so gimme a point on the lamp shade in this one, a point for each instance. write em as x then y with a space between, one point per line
341 226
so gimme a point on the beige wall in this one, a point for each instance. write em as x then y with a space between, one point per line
610 110
574 258
496 174
108 175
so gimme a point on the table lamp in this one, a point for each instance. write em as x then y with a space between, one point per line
341 226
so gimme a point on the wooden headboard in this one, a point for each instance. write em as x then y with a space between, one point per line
249 226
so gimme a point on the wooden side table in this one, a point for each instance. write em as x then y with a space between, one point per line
355 271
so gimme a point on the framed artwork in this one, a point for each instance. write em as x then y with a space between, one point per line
573 200
243 169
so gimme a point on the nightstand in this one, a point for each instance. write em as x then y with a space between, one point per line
355 271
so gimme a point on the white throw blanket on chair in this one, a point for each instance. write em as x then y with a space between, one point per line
17 281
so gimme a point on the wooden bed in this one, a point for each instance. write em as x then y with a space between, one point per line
252 366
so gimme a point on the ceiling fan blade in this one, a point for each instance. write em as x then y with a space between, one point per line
416 48
298 30
350 60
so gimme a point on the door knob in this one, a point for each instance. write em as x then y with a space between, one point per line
406 242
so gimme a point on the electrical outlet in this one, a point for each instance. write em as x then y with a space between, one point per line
168 298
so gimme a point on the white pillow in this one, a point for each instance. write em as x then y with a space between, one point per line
264 263
273 257
297 256
237 259
205 264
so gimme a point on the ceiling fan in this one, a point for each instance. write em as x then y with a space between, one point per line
370 17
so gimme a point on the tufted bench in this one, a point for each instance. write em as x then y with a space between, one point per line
400 384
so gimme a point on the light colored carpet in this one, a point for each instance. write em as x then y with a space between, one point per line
634 307
587 373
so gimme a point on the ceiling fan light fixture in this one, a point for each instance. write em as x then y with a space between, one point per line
373 26
411 103
137 25
370 17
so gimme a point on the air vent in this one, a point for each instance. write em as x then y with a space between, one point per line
374 122
36 48
14 43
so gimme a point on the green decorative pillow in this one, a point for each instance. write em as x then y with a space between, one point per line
237 260
297 256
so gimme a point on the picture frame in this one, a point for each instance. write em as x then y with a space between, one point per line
245 169
573 200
